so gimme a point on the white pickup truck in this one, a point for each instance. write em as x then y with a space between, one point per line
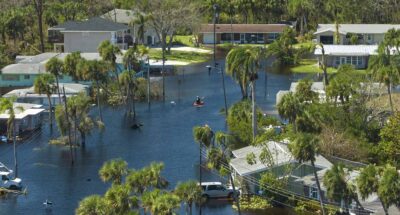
6 181
217 190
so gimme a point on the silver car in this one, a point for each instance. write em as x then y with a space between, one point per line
216 190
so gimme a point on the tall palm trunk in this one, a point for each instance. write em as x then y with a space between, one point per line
98 100
163 67
50 111
319 188
254 117
15 149
58 89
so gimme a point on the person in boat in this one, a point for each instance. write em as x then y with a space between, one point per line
198 100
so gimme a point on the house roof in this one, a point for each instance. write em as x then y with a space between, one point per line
348 50
65 25
315 86
356 28
70 88
120 16
243 28
37 64
23 110
96 24
279 152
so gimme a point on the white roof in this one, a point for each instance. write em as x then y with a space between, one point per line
70 88
316 86
348 50
280 154
37 64
27 110
357 28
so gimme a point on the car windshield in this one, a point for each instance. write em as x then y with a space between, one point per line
4 178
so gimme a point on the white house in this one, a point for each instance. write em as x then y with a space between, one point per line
368 34
27 118
127 17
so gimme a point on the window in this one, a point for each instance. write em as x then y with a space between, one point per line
8 77
212 187
314 193
27 77
260 37
236 37
220 188
354 60
360 60
348 60
337 60
226 37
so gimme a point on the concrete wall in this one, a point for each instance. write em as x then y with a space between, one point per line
84 41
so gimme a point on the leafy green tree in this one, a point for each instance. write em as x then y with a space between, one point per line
165 204
304 92
71 63
283 49
114 171
129 83
140 23
300 9
92 205
390 140
247 60
55 67
95 71
108 53
290 107
342 85
149 198
146 178
119 200
304 148
44 84
389 187
7 106
189 192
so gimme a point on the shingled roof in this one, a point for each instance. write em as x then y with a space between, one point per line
93 24
243 28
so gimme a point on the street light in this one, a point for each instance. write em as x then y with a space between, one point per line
223 83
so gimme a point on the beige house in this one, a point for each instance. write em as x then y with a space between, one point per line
86 36
368 34
241 33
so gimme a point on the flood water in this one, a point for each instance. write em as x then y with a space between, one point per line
166 136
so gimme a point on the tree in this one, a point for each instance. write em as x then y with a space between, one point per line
246 59
92 205
389 187
119 200
282 48
55 67
7 106
300 9
304 91
304 148
114 171
128 81
335 181
189 192
44 84
39 8
289 107
95 71
342 85
390 140
108 53
165 204
71 63
323 64
164 16
140 22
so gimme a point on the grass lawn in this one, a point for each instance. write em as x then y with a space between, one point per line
305 44
311 66
190 57
183 39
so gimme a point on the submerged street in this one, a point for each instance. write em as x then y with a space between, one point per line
166 136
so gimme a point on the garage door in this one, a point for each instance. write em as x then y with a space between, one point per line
208 38
326 39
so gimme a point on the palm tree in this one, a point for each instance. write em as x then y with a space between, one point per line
304 149
130 59
55 67
189 192
246 59
300 8
113 171
149 198
7 106
96 71
165 204
323 64
237 73
289 107
108 53
119 200
140 22
71 63
389 187
92 205
335 181
78 110
44 84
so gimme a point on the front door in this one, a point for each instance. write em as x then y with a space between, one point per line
242 38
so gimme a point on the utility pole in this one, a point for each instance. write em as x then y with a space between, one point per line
15 150
215 7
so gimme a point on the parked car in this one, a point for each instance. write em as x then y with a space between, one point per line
217 190
6 181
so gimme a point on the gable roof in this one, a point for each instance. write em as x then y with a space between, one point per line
356 28
120 16
93 24
243 28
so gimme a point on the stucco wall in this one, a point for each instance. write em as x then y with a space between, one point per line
84 41
331 62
